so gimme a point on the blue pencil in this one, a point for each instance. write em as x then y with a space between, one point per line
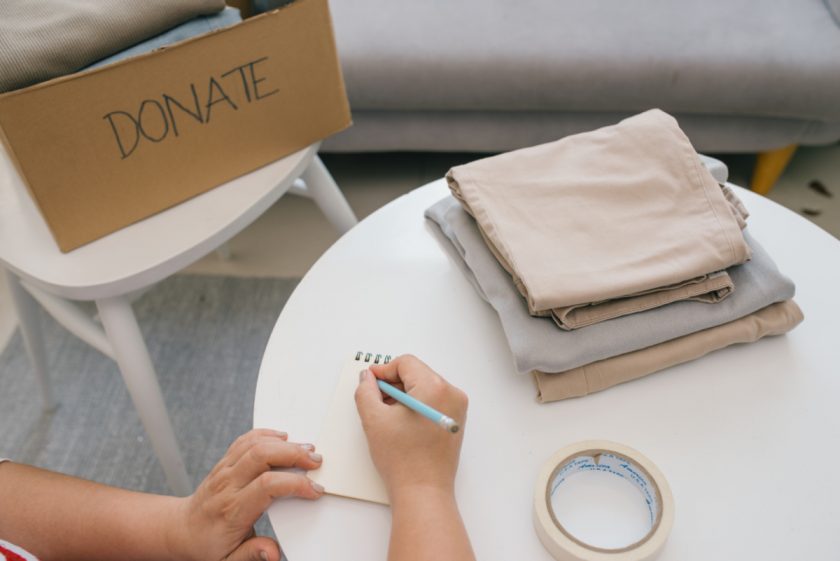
434 415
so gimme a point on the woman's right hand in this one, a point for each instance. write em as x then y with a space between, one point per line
408 449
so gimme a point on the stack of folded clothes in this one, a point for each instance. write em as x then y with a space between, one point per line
612 254
50 38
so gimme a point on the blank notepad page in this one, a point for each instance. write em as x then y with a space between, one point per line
347 469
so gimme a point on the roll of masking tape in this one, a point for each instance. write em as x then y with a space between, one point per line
607 460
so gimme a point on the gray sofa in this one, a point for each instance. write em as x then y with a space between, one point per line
484 75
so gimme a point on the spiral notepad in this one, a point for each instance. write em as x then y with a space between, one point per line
347 470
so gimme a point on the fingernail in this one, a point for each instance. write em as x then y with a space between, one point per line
281 434
315 457
309 447
263 555
318 488
363 374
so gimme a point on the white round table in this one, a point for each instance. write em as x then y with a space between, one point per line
747 436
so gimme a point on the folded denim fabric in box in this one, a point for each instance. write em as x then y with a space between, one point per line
193 28
536 344
44 39
775 319
607 223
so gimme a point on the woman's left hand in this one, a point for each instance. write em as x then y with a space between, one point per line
216 522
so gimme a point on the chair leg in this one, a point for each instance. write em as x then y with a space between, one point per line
769 167
30 330
139 374
328 196
223 252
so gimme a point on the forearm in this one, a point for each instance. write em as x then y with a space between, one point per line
427 525
60 517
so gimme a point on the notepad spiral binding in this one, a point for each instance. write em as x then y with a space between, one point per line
377 358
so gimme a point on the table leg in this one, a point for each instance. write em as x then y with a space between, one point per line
139 374
30 330
326 194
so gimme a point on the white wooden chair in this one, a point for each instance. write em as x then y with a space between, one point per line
110 270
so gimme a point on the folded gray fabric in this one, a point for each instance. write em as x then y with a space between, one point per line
193 28
48 38
717 168
537 344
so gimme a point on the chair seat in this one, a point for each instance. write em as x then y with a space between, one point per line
145 252
740 57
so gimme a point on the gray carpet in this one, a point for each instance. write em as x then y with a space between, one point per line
206 336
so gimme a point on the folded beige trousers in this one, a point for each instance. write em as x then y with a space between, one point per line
773 320
617 213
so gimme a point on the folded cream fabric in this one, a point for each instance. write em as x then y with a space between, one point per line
621 212
48 38
536 344
709 288
773 320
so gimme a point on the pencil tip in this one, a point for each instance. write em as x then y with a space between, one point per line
449 424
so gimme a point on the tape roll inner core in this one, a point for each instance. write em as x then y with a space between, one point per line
609 464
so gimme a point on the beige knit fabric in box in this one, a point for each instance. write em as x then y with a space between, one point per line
623 212
43 39
773 320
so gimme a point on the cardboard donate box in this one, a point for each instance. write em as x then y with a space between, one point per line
102 149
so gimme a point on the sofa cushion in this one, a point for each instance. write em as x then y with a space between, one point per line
500 131
738 57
